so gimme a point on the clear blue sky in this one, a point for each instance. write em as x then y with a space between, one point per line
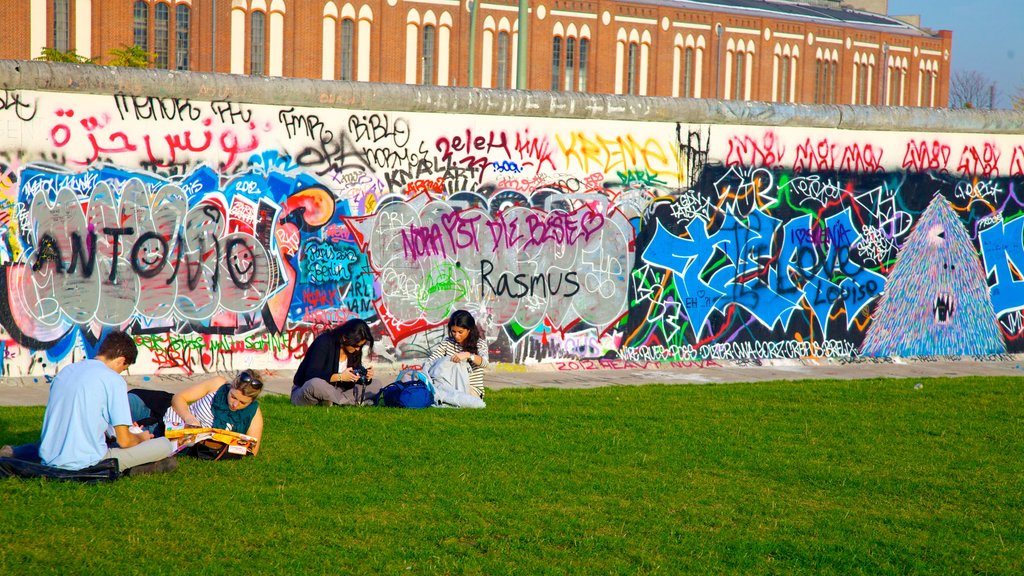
988 36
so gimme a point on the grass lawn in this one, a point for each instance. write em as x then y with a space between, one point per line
813 477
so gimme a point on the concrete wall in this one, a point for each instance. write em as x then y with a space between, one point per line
226 220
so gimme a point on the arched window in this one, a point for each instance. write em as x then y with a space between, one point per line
61 25
502 82
833 74
739 70
347 44
584 48
140 25
688 79
427 55
631 68
784 78
257 44
182 16
161 33
556 62
826 69
863 73
570 64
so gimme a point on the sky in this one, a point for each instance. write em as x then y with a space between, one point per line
988 37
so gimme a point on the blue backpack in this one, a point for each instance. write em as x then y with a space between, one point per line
412 389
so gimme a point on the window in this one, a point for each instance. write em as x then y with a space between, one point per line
257 47
584 47
631 70
347 41
688 72
502 61
863 73
570 65
61 26
181 37
556 62
784 79
833 74
740 73
824 81
140 26
427 76
161 34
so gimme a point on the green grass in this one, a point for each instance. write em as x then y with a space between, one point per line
815 477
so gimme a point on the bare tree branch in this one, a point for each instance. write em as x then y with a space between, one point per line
971 89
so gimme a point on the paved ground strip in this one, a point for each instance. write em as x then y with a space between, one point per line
34 390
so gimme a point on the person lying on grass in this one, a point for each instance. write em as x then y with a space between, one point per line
87 399
332 371
212 403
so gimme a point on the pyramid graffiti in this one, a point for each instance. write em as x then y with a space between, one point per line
936 300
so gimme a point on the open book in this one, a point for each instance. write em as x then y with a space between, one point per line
236 442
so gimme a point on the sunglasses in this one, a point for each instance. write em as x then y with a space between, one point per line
245 377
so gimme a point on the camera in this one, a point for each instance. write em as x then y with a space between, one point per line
361 372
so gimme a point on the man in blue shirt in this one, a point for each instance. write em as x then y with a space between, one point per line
86 399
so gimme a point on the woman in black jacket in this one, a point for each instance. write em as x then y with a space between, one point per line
332 371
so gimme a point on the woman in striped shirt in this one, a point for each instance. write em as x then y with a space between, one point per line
464 344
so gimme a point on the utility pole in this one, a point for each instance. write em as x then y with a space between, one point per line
472 40
524 25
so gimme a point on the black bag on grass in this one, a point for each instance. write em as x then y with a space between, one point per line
104 471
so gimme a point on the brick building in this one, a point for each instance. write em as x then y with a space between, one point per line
816 51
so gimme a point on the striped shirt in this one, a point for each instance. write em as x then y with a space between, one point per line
449 348
202 409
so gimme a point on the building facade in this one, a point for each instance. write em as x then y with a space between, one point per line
742 50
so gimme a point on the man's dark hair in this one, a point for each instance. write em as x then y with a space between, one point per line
119 345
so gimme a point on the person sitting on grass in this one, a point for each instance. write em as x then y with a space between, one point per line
461 345
212 403
86 399
332 370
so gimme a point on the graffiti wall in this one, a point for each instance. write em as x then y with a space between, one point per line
226 235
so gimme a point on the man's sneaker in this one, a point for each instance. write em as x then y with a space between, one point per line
159 467
7 451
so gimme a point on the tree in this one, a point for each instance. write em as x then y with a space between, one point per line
971 89
1017 99
131 57
54 55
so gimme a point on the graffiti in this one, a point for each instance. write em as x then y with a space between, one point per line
25 111
223 234
609 155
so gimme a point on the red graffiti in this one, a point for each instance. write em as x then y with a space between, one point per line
815 157
1017 161
746 151
416 186
984 164
861 159
923 156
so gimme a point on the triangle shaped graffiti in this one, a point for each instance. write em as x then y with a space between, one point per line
936 300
